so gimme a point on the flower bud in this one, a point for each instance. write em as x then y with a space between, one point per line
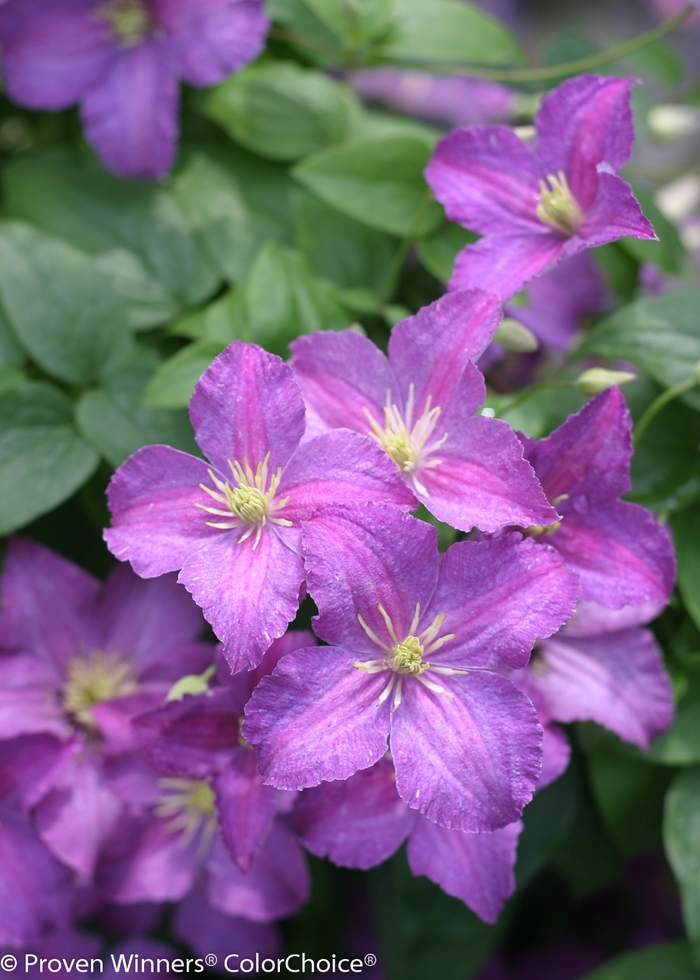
514 336
595 380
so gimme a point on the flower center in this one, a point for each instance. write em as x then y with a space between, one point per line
406 442
558 208
249 502
130 20
407 657
404 658
95 678
188 806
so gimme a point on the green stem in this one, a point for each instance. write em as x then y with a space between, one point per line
529 392
567 67
404 248
658 403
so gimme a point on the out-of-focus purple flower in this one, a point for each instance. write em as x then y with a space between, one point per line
361 821
669 8
416 640
419 407
77 661
207 930
36 893
456 100
536 206
168 837
198 737
619 551
232 525
602 667
559 299
121 59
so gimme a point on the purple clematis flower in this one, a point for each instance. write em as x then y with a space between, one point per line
536 206
361 821
168 839
233 525
619 551
77 661
36 892
457 100
419 407
416 640
199 737
121 59
602 667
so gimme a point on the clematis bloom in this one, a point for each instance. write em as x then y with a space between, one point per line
620 552
361 821
535 206
416 639
78 660
603 667
121 60
233 525
419 406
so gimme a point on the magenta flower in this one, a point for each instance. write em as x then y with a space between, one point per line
602 667
419 407
536 206
232 526
361 821
619 551
456 100
121 59
77 661
36 892
168 838
416 640
199 737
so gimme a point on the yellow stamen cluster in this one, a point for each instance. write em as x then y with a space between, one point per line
406 442
95 678
558 208
130 20
250 501
404 658
188 806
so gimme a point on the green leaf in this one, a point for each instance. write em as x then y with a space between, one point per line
439 251
378 182
174 381
114 420
667 961
148 302
283 111
341 249
11 354
76 200
284 300
680 745
686 534
353 23
668 253
43 460
424 932
629 793
661 334
61 306
682 841
234 203
659 60
315 42
666 463
448 31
